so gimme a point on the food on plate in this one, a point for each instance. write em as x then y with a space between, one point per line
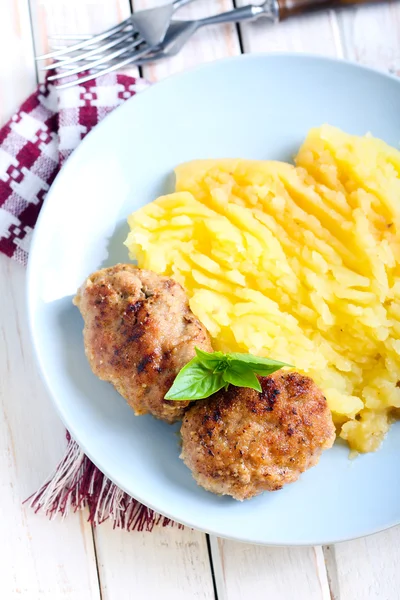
299 263
242 442
139 332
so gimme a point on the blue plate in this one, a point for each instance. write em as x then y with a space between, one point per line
254 106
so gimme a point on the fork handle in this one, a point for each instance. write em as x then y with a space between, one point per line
288 8
249 12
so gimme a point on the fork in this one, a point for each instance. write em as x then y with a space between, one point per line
177 35
179 32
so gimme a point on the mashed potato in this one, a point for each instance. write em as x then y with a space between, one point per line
296 263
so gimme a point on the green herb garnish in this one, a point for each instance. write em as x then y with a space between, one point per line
209 372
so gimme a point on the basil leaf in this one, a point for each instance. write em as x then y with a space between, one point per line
242 377
194 382
208 372
263 370
258 364
239 367
210 359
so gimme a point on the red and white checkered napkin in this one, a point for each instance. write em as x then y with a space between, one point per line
38 139
34 145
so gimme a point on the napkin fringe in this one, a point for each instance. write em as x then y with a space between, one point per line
77 484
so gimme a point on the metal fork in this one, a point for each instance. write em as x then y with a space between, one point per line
176 37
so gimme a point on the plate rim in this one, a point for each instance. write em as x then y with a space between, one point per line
297 56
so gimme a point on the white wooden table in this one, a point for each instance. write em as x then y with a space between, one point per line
42 560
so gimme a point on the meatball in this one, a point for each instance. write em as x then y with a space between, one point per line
139 332
241 442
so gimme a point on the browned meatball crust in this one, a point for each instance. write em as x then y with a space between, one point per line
241 442
139 332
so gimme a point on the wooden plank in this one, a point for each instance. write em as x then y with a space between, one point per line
51 18
258 572
317 33
17 73
130 565
239 579
136 565
208 44
43 560
244 571
365 568
40 559
371 35
369 567
167 563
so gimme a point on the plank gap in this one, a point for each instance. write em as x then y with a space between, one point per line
337 34
32 40
332 571
139 67
322 573
239 30
96 562
210 556
218 566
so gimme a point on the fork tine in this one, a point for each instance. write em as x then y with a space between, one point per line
69 36
139 59
86 61
64 46
100 61
104 65
123 63
58 46
89 53
148 58
96 38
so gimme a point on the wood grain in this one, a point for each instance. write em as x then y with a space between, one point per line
168 563
259 572
371 35
39 559
17 72
366 568
316 33
369 567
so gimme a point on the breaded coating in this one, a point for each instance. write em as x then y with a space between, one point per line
139 332
241 442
